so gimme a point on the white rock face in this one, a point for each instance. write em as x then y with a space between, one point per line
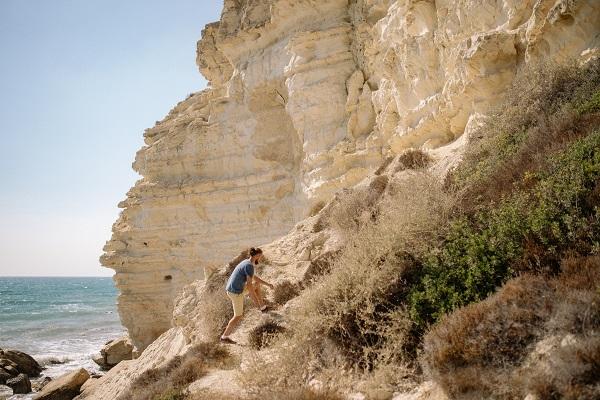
307 97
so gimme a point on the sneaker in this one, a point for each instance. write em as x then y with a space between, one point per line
227 340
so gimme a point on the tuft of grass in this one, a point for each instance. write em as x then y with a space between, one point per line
285 291
413 159
262 335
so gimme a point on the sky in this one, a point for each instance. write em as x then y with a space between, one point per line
80 80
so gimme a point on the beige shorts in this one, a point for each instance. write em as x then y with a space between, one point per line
237 300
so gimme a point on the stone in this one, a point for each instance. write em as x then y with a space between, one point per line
24 362
65 387
306 98
39 385
114 352
4 376
99 359
19 384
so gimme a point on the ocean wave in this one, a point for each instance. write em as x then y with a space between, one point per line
52 360
71 307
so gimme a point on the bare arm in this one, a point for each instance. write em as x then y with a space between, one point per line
261 282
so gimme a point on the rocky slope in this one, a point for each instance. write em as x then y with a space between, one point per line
307 97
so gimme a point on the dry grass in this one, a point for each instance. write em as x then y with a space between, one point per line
350 318
357 206
263 334
368 280
216 309
488 349
290 394
285 291
169 381
413 159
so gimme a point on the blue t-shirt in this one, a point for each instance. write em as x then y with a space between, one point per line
238 277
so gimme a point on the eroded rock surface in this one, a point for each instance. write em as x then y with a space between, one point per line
307 97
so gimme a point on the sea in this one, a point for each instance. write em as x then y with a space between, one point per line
61 322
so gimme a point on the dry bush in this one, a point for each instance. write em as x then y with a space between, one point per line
291 362
216 309
319 267
582 273
285 291
169 381
413 159
356 304
538 335
494 332
263 334
356 206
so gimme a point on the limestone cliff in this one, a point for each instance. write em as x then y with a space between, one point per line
307 97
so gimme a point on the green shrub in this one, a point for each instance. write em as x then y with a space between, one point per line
480 252
537 335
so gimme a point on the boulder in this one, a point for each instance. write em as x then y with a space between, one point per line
65 387
24 362
4 376
114 352
19 384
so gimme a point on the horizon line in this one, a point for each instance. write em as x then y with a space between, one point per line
56 276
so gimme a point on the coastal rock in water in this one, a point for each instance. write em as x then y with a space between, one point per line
114 352
24 363
20 384
65 387
307 97
37 386
4 376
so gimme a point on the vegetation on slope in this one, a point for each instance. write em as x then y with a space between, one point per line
523 202
488 283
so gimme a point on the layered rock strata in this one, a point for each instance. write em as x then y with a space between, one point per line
307 97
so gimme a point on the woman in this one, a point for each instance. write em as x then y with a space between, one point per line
243 281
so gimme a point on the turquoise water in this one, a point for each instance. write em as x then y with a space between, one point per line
68 319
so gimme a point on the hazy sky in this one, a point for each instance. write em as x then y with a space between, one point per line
80 80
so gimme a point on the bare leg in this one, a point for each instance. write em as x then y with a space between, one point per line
256 295
233 322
